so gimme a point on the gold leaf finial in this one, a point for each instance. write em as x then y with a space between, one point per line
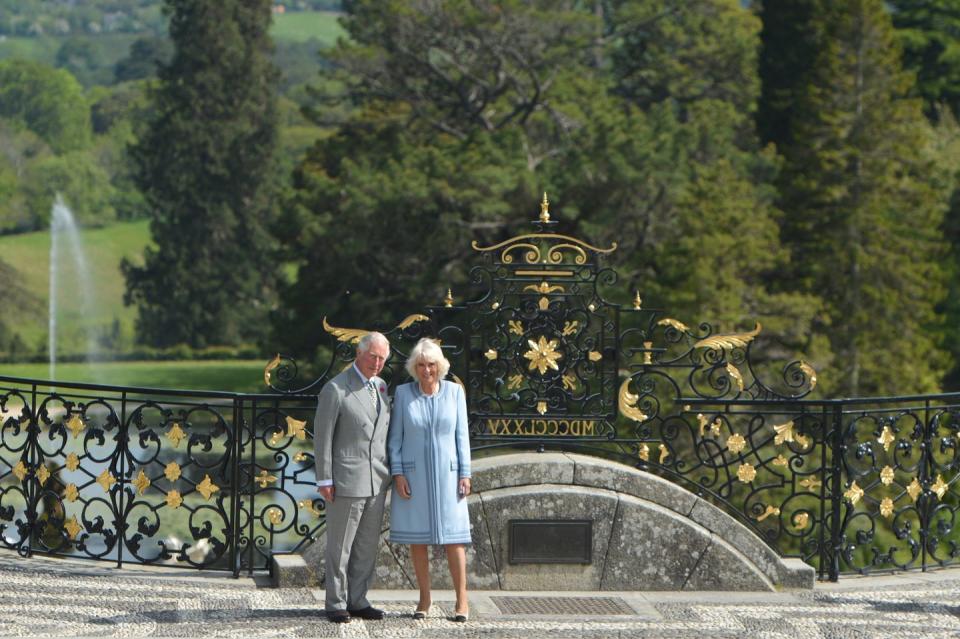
207 487
853 494
448 300
627 402
637 301
545 209
351 335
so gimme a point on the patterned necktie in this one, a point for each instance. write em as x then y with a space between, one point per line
372 389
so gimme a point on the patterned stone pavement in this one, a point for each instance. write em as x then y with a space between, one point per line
57 598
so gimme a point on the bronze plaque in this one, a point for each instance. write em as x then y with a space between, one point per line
551 541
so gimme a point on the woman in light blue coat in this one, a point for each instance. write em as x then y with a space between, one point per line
429 448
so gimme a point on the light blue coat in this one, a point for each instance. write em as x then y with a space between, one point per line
429 444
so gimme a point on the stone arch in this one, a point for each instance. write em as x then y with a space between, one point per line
648 534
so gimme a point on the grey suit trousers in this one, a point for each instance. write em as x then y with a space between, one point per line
353 539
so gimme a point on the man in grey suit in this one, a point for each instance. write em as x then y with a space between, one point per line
350 446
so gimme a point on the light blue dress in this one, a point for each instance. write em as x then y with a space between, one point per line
429 444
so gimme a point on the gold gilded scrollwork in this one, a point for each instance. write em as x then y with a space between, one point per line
703 420
780 461
594 356
734 373
542 407
628 403
351 335
275 515
543 288
70 493
73 462
644 452
886 507
300 457
731 341
569 382
515 381
569 328
810 373
811 483
491 354
410 320
669 321
664 453
269 368
554 252
516 327
42 474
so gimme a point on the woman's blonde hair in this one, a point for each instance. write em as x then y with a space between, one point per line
427 349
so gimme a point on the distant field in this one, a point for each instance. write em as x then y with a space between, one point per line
302 25
290 27
244 376
29 254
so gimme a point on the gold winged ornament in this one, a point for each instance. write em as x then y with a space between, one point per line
354 335
731 341
269 368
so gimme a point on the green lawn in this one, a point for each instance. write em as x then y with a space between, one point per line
29 254
301 26
244 376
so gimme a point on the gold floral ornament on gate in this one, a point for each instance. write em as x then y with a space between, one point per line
543 354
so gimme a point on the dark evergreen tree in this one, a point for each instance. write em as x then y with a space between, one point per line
929 34
863 202
205 168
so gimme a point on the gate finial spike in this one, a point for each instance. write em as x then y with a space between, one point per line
637 301
545 209
448 300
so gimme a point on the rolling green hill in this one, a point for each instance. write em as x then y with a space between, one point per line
29 256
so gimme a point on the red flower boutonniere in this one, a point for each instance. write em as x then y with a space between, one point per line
383 389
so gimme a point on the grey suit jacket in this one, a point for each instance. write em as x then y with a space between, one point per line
349 439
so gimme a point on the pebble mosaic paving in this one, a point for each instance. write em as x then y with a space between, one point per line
42 597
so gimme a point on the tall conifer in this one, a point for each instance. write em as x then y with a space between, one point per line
863 205
204 167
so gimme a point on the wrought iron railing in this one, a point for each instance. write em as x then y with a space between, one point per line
223 480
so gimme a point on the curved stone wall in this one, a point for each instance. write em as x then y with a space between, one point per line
648 534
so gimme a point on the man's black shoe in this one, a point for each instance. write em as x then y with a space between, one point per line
367 613
339 616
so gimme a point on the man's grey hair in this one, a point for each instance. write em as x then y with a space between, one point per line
427 350
370 339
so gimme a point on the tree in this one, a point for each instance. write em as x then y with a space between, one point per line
205 166
635 117
47 101
863 201
929 33
142 61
